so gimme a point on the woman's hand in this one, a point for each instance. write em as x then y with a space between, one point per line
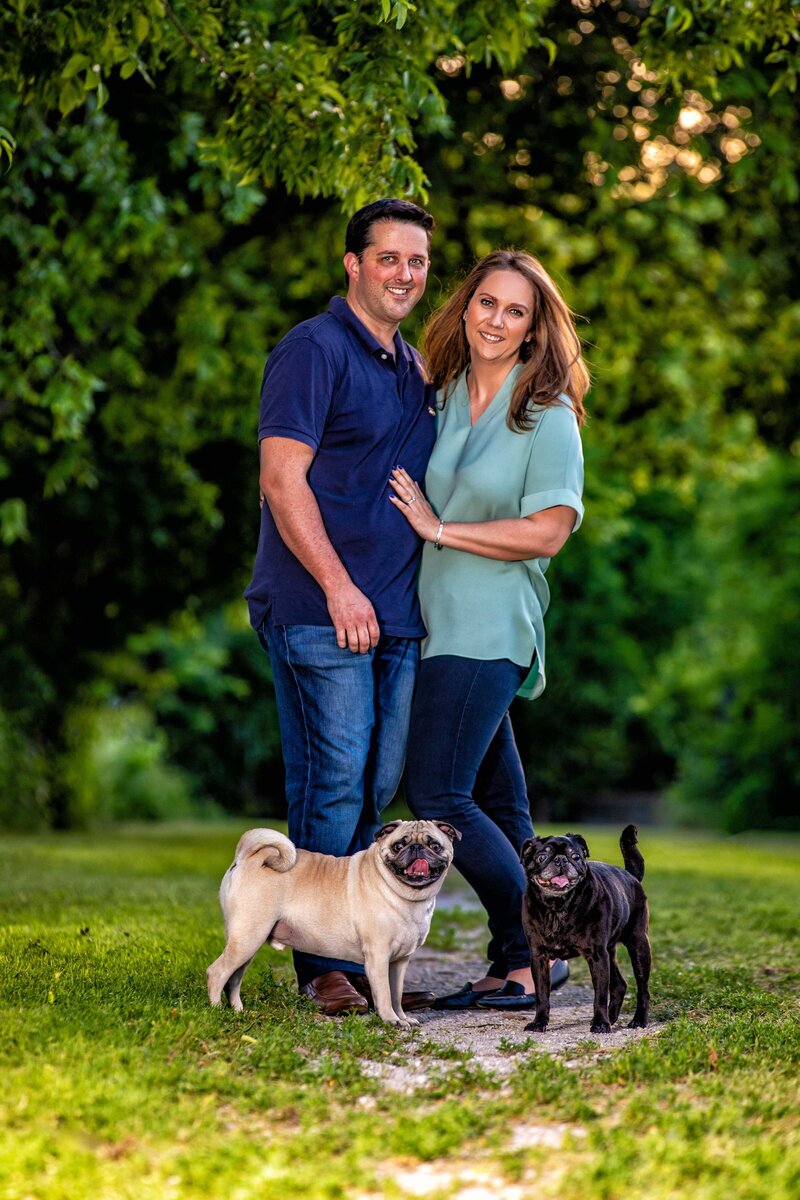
411 501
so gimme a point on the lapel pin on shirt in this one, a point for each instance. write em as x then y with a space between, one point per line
432 411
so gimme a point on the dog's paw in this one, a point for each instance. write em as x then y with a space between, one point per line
640 1024
536 1026
599 1027
398 1022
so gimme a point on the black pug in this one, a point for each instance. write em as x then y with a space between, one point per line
574 907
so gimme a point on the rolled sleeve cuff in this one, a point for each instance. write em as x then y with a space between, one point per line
535 503
284 431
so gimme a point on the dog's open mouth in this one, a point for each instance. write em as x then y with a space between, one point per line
419 871
559 883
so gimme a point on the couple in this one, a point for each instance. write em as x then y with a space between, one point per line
400 500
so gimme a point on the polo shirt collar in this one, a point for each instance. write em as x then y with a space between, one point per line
341 310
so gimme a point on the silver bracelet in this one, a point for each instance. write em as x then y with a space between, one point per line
437 545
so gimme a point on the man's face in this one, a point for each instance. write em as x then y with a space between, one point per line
389 277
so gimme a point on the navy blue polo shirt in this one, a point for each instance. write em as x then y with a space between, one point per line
332 386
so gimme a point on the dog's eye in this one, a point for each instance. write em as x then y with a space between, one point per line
435 845
396 846
542 857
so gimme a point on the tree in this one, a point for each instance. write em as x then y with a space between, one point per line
725 696
324 96
321 97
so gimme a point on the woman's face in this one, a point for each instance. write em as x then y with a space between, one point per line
498 317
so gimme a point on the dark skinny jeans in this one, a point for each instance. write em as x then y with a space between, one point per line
463 766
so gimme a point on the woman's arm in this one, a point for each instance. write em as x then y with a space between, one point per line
541 535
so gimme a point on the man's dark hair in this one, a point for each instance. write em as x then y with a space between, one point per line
359 228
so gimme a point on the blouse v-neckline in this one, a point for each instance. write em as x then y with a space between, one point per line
503 391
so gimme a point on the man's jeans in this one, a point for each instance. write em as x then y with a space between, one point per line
344 725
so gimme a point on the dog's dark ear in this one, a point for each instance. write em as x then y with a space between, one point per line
528 847
452 833
385 830
576 837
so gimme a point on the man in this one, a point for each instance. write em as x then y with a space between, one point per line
332 597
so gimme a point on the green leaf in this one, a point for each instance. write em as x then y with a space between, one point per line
7 145
141 26
70 96
13 521
77 63
551 48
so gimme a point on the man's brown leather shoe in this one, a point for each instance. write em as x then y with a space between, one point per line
410 1001
333 993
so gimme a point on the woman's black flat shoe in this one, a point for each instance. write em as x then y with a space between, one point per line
512 997
466 997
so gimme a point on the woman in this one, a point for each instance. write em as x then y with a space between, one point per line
503 493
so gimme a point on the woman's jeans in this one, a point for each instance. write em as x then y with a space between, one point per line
344 723
463 766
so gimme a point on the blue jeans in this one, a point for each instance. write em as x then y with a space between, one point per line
463 766
344 724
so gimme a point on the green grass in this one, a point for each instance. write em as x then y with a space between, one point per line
119 1081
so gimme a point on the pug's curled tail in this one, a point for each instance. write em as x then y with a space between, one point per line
268 847
631 855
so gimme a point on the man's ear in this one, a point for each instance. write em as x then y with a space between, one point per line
351 264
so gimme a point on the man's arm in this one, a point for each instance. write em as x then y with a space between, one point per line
284 485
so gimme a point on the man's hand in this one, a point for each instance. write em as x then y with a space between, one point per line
353 618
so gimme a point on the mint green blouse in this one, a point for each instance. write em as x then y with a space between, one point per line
476 607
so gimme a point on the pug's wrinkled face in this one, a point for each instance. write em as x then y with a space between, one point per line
418 852
555 864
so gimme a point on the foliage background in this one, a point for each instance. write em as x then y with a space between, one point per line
177 181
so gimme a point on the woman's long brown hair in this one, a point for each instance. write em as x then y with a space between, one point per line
553 365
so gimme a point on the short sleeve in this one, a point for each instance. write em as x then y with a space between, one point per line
296 392
555 468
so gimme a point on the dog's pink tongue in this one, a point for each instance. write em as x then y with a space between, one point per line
419 867
560 880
